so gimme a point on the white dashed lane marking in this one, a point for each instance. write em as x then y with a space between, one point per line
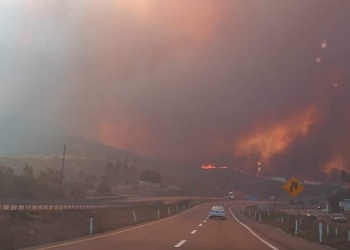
200 225
194 231
180 243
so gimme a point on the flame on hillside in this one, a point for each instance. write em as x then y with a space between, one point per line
206 167
267 141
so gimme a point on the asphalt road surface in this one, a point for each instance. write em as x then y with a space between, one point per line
189 230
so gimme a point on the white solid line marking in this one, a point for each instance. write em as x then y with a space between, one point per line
251 231
180 243
194 231
200 225
279 229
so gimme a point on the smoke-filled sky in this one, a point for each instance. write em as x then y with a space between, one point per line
214 81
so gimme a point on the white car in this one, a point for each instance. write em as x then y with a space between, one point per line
338 218
217 212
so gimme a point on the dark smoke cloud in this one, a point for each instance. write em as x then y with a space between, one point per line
181 80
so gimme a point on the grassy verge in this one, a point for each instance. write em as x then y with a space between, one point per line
307 229
20 229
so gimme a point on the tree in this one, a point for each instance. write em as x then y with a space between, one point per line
151 176
28 172
344 176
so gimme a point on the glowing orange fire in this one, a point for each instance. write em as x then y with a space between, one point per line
270 140
208 167
212 167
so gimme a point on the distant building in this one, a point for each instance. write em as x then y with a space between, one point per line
149 184
281 179
312 183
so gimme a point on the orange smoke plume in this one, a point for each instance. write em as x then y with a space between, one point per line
336 162
270 140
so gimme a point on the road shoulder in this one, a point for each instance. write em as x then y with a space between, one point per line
278 238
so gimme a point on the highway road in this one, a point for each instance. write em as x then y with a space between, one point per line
189 230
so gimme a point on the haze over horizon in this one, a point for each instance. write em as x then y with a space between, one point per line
212 82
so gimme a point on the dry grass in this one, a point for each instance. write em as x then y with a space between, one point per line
19 229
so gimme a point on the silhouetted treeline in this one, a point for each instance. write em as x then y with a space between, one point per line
46 185
341 194
151 176
120 173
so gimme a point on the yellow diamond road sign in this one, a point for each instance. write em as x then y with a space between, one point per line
293 187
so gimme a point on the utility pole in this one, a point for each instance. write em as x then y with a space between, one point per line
275 198
64 156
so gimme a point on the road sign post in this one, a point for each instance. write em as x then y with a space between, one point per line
293 187
320 232
336 233
134 215
91 225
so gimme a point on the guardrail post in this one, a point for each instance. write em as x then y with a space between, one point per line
320 232
249 213
134 214
327 230
296 227
255 215
158 214
91 225
336 233
10 206
31 207
282 219
17 207
168 210
259 217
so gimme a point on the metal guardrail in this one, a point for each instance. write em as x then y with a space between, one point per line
28 204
